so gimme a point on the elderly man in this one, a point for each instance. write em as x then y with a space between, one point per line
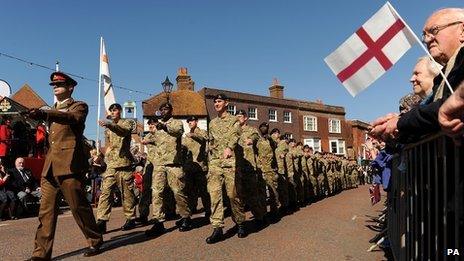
444 36
451 115
24 183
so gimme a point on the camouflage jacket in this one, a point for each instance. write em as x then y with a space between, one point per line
151 149
195 147
246 154
224 132
266 160
118 153
280 153
168 144
307 165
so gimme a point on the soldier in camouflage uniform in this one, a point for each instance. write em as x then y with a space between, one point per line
196 165
267 166
224 133
167 171
319 174
308 170
280 151
253 190
294 174
119 161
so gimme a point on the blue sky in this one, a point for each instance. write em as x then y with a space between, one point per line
236 45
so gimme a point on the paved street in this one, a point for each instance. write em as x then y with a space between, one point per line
332 229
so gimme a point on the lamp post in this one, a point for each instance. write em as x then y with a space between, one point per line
167 88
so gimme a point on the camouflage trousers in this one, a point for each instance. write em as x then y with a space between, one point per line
125 181
174 177
196 188
253 192
271 179
295 188
282 185
218 177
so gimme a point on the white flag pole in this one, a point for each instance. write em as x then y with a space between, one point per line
99 97
423 47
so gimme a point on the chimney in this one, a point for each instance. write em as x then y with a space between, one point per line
276 90
184 81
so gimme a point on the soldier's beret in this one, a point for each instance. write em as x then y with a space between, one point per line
192 118
275 130
264 124
221 96
241 112
59 77
115 106
166 105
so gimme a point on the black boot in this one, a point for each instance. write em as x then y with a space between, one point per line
143 220
241 232
130 224
215 237
260 223
101 225
156 230
93 251
185 224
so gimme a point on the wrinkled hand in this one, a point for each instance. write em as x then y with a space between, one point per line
385 128
37 114
451 116
227 153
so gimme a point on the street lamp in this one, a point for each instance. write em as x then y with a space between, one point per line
167 87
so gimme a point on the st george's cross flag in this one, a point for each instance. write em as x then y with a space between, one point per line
108 92
371 50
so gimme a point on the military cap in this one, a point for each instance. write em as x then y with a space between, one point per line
192 118
241 112
264 124
165 105
221 96
59 77
115 106
151 121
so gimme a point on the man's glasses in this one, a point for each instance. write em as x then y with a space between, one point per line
432 32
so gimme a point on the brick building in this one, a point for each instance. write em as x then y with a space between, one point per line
321 126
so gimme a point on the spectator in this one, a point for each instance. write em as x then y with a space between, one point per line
444 36
422 78
6 193
25 184
5 138
451 115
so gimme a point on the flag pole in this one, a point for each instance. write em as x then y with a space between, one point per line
99 97
423 47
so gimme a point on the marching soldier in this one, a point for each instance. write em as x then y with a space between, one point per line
253 190
167 171
64 169
145 198
119 161
281 149
224 133
196 165
267 167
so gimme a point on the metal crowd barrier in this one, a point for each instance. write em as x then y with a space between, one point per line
425 204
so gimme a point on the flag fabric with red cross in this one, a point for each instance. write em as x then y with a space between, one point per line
372 50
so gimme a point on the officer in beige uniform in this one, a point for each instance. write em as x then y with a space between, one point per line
64 169
119 161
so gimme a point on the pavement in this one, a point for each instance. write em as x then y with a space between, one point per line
332 229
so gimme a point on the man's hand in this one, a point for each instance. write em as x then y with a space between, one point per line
227 153
27 190
37 114
451 115
249 142
102 123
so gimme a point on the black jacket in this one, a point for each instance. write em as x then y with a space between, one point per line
19 184
423 119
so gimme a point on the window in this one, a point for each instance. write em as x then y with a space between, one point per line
334 126
272 115
314 143
252 113
231 109
337 146
309 123
287 117
288 135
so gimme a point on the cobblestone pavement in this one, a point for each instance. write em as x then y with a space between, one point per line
332 229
